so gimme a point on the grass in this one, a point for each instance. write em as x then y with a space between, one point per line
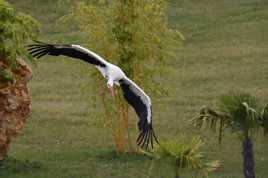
225 48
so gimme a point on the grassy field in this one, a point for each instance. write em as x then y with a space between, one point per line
226 48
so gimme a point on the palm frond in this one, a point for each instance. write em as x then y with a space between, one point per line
213 165
252 117
236 111
208 118
240 108
264 119
184 155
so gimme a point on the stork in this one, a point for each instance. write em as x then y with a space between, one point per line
132 93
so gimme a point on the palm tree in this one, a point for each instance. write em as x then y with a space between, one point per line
238 112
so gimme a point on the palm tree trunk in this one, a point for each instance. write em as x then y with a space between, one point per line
248 158
177 171
177 174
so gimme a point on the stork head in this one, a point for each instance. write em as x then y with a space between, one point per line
110 84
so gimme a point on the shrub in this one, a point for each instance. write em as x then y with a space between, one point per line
15 30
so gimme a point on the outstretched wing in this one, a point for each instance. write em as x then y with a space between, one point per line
76 51
142 105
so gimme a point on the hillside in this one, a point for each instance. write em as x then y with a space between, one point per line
225 48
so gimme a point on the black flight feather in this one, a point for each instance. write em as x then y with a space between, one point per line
146 135
39 49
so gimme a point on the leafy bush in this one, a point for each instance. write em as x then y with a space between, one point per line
15 30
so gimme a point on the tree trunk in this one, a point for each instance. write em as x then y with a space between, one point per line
177 172
248 158
14 104
177 175
124 36
177 168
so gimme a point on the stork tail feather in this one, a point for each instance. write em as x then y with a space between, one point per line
147 137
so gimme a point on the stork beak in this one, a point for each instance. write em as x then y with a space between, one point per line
111 91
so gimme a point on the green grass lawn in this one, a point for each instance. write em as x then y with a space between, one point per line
226 48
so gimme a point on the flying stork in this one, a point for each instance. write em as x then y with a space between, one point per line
133 94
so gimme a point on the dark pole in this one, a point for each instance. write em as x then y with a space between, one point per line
248 158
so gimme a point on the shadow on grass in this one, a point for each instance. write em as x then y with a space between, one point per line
17 166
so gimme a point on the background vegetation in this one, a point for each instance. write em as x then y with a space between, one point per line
130 35
226 47
15 30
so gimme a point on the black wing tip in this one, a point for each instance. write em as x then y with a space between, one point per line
147 138
38 49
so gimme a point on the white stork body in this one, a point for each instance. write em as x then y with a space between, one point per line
111 72
134 95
